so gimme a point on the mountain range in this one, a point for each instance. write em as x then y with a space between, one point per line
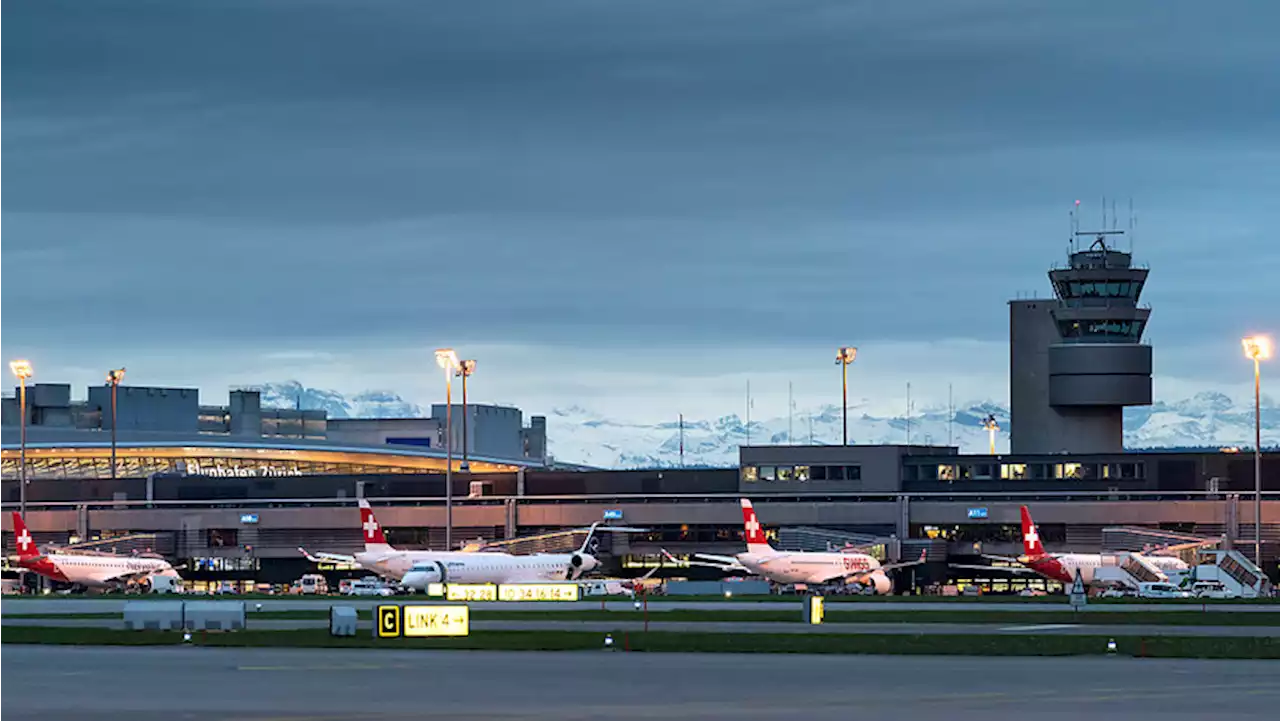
585 436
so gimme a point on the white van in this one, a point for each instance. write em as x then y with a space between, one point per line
1161 590
313 583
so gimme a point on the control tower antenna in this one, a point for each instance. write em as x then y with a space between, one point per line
1113 214
1133 222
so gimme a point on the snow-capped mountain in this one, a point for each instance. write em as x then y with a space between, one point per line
367 404
580 435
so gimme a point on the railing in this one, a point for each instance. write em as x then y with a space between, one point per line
653 498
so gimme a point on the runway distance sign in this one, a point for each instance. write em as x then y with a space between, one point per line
421 621
539 592
471 592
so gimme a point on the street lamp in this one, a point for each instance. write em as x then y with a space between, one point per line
1257 348
448 360
844 357
991 426
113 379
465 369
22 369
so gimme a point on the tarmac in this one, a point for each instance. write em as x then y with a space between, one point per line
202 684
980 629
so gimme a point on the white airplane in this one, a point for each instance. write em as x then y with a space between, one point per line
418 569
91 570
761 559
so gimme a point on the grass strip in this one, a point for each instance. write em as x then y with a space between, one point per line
668 642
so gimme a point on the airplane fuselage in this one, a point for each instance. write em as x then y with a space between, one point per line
458 567
811 568
96 571
1062 567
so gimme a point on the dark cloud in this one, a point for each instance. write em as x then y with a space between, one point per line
623 172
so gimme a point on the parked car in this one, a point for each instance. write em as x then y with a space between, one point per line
369 588
1161 590
1211 589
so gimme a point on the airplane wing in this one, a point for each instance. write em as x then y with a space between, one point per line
320 557
723 563
1175 549
108 577
905 564
1007 569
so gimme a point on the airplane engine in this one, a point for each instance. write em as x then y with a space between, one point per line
881 583
423 575
581 563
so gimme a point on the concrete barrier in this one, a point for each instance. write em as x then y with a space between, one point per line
153 615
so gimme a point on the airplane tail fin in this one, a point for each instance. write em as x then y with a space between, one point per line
754 535
374 539
26 546
1031 544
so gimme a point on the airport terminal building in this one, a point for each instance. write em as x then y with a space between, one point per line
235 491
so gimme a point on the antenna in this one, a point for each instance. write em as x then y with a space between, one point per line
1113 214
748 411
951 413
1133 223
791 405
682 440
811 429
908 412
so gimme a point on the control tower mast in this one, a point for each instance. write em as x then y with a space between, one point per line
1076 361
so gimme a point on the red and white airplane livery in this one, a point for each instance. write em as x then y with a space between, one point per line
806 567
92 570
1062 567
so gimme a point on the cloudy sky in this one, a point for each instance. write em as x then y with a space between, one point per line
630 206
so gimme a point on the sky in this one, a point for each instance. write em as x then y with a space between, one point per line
634 207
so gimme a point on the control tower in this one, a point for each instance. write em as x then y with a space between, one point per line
1076 361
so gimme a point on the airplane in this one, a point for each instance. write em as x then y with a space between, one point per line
806 567
418 569
96 570
1062 567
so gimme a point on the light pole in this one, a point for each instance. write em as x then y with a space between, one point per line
844 357
22 369
465 369
113 379
448 360
1257 348
991 426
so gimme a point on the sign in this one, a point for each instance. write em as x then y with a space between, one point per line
248 518
1079 597
413 621
471 592
815 609
613 514
388 621
433 621
435 589
978 512
538 592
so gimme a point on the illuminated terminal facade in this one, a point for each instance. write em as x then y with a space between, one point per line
166 432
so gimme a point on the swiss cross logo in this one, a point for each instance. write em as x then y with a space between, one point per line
24 541
1032 537
370 526
753 527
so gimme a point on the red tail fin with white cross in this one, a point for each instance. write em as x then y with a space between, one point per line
754 535
22 539
1031 544
374 539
